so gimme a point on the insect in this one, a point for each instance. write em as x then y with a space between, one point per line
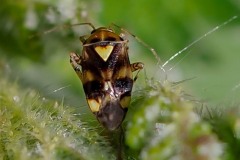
106 74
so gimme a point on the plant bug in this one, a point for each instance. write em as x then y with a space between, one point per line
106 74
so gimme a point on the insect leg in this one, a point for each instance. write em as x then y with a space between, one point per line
138 66
75 61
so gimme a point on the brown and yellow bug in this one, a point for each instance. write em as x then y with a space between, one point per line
106 74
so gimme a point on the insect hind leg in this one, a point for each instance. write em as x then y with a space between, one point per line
138 66
155 54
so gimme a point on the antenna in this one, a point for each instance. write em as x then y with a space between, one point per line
60 27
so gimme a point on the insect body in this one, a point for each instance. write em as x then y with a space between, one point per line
106 74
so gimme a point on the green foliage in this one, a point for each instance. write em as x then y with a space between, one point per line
165 127
24 24
34 51
33 127
161 122
227 127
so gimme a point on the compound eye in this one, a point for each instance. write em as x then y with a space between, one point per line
94 40
110 39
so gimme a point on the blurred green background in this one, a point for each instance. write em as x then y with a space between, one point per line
41 61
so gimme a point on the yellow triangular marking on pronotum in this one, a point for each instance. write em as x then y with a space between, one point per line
104 51
93 104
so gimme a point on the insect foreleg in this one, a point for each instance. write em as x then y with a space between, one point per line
75 61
